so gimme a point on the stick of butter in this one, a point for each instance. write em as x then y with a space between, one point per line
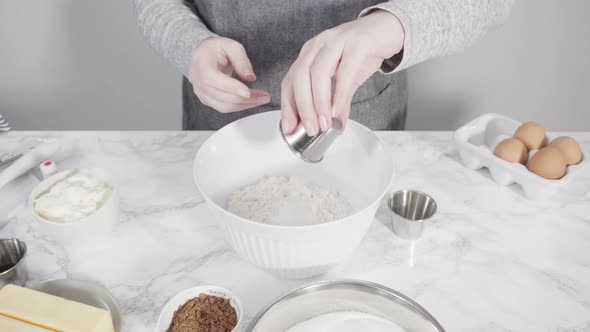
13 325
51 312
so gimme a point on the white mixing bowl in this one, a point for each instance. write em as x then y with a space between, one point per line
357 165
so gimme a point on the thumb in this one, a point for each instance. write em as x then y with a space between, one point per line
236 54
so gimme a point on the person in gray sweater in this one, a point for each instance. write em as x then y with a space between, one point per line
313 60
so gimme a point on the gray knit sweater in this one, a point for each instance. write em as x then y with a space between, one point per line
273 31
433 27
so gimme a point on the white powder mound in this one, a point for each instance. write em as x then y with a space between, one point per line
292 201
346 321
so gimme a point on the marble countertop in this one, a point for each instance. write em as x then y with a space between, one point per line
491 261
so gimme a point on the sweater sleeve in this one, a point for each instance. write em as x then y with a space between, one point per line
172 28
435 28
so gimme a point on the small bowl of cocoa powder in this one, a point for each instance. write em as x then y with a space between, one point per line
201 309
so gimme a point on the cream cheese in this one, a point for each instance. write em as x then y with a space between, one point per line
72 198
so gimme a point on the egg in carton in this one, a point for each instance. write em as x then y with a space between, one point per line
477 140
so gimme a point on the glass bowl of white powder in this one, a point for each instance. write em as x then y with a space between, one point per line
344 306
289 217
76 206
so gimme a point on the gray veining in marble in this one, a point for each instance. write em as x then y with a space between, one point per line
491 261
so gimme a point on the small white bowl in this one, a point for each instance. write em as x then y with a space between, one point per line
181 298
97 226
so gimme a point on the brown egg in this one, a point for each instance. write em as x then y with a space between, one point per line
531 134
511 150
548 163
569 148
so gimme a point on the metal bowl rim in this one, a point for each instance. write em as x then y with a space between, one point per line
367 286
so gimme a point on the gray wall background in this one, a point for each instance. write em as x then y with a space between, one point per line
82 64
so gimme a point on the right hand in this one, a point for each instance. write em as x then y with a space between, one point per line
212 65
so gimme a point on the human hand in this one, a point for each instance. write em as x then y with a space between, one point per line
349 54
212 65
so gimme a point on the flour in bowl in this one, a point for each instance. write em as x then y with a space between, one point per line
290 201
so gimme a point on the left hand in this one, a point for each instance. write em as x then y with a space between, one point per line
349 53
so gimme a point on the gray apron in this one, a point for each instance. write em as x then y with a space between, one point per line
273 32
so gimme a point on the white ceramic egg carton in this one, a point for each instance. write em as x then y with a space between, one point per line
476 142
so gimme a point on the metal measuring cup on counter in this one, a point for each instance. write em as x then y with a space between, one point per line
312 148
410 210
12 267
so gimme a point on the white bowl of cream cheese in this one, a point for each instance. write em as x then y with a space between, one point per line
77 204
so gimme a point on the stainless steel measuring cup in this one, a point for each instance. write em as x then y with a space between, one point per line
312 148
12 269
409 211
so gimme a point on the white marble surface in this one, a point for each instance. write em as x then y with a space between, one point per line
492 260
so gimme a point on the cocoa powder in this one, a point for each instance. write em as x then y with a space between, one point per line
205 313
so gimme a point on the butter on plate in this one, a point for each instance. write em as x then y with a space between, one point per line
13 325
49 313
